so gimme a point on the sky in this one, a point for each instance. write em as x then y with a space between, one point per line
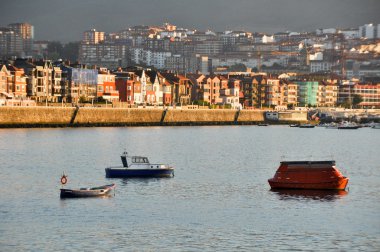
66 20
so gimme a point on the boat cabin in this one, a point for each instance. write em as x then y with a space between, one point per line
139 160
134 160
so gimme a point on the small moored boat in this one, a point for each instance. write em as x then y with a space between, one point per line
87 192
138 166
331 126
321 175
307 126
348 125
262 124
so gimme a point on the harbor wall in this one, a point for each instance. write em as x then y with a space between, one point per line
113 116
297 116
18 116
199 116
84 116
249 116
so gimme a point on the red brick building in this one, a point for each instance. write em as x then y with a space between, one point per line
106 86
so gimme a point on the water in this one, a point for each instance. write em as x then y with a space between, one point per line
219 199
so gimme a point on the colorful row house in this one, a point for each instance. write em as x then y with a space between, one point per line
106 86
125 83
13 82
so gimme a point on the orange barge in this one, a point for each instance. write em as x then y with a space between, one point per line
320 175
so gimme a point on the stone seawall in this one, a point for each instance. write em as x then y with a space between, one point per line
115 116
250 116
37 116
76 117
293 116
199 117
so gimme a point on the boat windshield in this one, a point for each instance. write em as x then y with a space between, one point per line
140 160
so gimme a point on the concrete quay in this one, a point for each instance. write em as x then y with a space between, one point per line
28 117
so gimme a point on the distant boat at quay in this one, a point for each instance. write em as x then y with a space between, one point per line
348 125
330 125
138 166
262 124
307 126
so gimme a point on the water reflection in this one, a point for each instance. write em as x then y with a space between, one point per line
137 180
322 195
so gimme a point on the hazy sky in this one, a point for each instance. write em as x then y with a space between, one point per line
65 20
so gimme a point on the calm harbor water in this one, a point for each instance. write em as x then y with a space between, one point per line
219 199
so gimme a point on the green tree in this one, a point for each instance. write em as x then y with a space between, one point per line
70 51
290 106
356 100
82 99
201 103
54 50
238 68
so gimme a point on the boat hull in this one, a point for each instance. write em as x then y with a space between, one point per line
85 193
339 184
128 172
348 127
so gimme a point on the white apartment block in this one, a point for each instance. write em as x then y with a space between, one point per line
148 57
155 58
369 31
319 65
109 55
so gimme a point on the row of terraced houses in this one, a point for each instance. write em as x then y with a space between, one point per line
46 81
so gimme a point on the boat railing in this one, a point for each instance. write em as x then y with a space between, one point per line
152 166
115 166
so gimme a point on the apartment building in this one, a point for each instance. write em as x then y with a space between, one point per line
273 94
11 43
107 54
93 37
370 94
307 93
81 82
26 32
327 94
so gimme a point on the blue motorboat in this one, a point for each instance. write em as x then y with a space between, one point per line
138 166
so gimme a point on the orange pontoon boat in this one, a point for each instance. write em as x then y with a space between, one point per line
321 175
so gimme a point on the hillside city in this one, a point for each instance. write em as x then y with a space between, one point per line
170 66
